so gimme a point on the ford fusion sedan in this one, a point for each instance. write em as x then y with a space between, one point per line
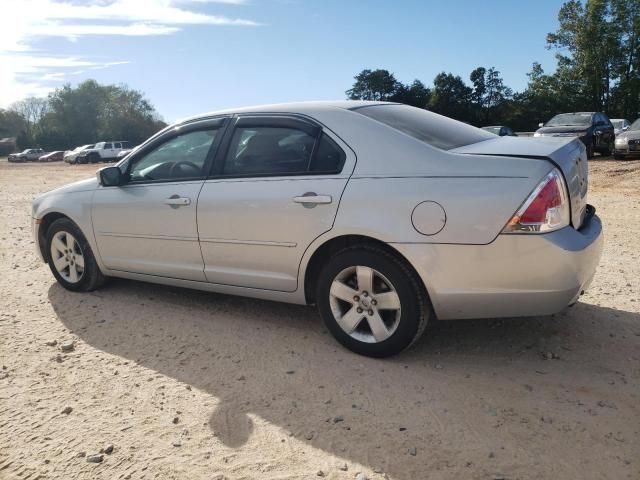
383 215
593 128
628 142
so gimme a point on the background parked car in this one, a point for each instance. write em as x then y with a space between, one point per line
620 125
593 128
72 156
628 142
124 152
103 152
501 130
28 155
52 157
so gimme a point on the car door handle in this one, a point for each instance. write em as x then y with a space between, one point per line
176 201
312 198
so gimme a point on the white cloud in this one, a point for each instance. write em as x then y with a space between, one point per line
28 72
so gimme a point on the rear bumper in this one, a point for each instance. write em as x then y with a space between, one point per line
516 275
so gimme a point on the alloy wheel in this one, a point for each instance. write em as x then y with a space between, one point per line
67 256
365 304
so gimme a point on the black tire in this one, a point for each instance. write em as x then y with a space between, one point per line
415 308
618 157
93 158
91 278
608 150
590 150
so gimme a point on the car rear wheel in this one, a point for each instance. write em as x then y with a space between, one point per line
371 301
70 257
590 150
94 158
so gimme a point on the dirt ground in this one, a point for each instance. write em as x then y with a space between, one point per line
192 385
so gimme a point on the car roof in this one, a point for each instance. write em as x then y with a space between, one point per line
291 107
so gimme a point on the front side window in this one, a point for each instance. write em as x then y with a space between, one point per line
181 157
268 151
428 127
107 146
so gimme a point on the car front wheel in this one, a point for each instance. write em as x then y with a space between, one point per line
70 257
371 301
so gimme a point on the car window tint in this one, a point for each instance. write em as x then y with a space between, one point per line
428 127
328 158
179 158
107 145
268 151
116 145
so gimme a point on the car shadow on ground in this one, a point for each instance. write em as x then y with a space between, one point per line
278 362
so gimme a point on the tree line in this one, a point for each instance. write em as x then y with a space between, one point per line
88 113
598 69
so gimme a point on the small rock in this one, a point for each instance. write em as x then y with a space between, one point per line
492 455
377 470
67 410
177 443
81 454
344 467
320 473
176 420
338 419
438 366
310 435
241 378
67 346
290 372
96 458
108 449
51 343
413 451
361 476
402 429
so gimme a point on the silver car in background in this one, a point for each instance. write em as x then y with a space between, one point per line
383 215
628 142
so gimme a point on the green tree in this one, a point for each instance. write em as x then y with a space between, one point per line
489 94
451 97
379 85
416 94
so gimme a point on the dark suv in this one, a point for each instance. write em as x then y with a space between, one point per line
593 128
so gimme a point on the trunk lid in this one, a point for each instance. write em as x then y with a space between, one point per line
569 155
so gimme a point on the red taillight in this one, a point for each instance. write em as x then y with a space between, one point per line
549 197
545 210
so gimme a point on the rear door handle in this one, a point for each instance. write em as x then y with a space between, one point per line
311 198
177 201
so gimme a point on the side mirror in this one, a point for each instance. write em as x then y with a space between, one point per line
625 128
110 177
540 125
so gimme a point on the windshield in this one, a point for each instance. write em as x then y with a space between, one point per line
428 127
635 125
570 120
494 130
617 123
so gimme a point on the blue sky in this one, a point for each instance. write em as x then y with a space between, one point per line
190 56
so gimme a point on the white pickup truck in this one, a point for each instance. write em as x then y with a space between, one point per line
102 152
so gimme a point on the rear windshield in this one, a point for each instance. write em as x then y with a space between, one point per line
436 130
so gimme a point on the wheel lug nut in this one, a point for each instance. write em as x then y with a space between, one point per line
359 310
374 302
365 294
370 312
356 298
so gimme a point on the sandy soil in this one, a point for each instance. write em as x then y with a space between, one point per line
191 385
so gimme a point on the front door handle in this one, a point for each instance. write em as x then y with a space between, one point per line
175 201
311 199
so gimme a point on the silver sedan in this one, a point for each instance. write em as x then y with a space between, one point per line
385 216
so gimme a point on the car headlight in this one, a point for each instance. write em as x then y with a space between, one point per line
536 134
622 141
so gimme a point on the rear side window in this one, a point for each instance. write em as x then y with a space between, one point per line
428 127
273 151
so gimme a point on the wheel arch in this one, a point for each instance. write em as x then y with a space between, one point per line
333 245
45 223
